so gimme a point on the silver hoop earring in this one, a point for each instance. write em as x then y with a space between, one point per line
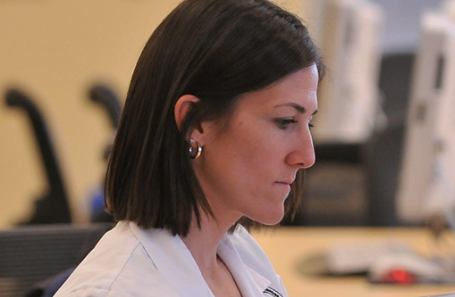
194 152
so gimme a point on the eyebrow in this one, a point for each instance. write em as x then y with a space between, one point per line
298 107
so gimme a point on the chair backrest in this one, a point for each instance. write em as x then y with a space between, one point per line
32 254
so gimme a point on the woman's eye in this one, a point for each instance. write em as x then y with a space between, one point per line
285 122
310 125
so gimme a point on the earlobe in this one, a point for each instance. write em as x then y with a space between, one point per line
182 107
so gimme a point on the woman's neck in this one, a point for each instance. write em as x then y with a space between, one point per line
203 242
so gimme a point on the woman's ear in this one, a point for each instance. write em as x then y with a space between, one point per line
182 107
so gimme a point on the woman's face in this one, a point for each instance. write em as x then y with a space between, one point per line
248 164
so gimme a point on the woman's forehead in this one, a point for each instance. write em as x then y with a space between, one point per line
296 89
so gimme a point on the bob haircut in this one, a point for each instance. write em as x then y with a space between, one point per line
216 50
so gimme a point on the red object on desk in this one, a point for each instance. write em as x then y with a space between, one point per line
399 276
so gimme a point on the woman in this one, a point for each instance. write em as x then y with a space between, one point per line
214 131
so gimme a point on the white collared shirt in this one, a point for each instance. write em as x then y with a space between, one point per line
131 261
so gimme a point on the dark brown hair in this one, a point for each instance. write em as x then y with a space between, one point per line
215 50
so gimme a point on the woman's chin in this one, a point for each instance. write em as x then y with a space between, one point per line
272 218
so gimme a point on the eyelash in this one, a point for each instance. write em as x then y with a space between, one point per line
284 123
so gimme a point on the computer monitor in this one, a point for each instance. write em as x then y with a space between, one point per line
449 8
426 185
351 41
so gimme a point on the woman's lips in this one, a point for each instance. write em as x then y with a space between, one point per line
284 184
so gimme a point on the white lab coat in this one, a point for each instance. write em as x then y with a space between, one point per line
131 261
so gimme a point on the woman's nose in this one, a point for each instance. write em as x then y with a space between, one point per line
303 155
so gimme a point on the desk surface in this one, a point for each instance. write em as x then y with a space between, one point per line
287 246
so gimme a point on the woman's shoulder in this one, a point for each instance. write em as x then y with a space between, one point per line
117 266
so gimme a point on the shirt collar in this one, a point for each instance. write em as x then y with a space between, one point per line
249 281
176 264
173 260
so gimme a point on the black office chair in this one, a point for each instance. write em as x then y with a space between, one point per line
52 207
31 254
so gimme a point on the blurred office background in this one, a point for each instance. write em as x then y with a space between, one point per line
65 67
56 51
